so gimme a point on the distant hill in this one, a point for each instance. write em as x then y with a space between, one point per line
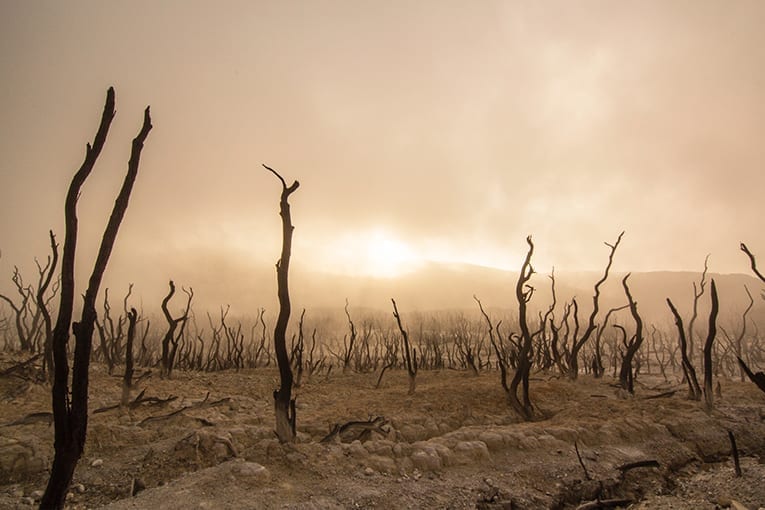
452 286
441 286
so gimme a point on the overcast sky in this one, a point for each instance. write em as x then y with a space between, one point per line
426 130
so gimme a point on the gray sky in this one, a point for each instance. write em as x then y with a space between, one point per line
427 130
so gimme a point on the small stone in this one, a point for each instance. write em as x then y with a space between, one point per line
37 495
17 492
97 463
26 500
369 471
78 488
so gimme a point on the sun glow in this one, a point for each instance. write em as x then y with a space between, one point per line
379 252
375 252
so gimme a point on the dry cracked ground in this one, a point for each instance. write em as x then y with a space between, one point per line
453 444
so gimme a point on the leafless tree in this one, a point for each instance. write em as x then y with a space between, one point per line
694 390
171 338
737 342
573 359
698 293
70 413
626 377
410 353
711 333
752 262
348 346
31 316
127 380
284 404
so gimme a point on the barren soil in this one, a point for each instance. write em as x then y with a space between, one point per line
453 444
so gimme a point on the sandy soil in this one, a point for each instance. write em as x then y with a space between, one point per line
453 444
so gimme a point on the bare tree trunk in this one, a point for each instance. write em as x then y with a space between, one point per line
694 390
523 293
410 354
42 306
170 340
284 404
698 292
625 374
349 348
573 363
752 262
71 417
708 394
127 380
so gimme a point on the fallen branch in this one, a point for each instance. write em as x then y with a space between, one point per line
44 417
640 464
20 366
605 503
660 395
356 430
204 404
140 399
163 417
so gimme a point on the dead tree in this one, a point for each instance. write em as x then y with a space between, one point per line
737 343
70 413
698 293
284 404
597 362
106 350
757 378
171 339
297 353
752 262
348 347
127 380
694 390
42 305
496 345
523 293
410 353
626 374
573 359
31 316
711 333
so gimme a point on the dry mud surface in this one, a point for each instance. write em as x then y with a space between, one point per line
453 444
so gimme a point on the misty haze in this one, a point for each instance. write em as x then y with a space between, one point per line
337 254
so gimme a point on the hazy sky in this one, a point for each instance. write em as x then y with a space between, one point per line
444 130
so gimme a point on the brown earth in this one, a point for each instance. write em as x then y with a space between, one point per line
453 444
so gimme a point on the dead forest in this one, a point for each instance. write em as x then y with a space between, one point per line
518 348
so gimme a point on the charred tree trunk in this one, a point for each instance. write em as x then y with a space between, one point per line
708 394
410 353
171 339
573 362
127 380
351 341
43 307
752 262
523 293
284 404
694 390
698 292
625 374
70 417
